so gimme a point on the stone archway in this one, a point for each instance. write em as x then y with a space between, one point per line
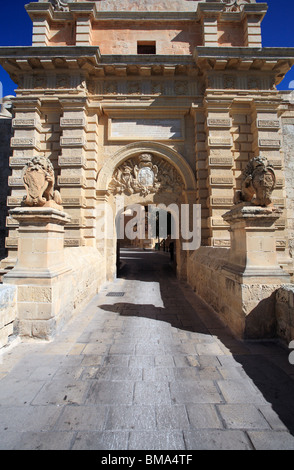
145 173
155 148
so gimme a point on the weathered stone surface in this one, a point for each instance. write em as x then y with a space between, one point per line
8 312
65 395
285 312
120 80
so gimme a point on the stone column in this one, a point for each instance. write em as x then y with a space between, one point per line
252 272
40 271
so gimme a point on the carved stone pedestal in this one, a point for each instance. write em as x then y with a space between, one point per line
40 273
252 272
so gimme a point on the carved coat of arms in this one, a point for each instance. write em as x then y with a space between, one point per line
143 176
38 177
258 183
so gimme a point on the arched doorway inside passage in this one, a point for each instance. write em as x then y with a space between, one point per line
144 174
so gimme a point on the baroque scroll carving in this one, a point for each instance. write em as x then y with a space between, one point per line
233 6
258 183
60 5
38 177
146 175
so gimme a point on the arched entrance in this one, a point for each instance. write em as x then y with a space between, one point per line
152 229
143 175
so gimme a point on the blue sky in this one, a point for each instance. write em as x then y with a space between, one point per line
16 30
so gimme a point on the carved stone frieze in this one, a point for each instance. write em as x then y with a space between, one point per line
240 81
143 87
146 175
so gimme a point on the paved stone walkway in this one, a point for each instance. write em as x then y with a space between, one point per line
153 369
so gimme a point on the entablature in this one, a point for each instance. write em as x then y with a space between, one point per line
275 60
224 10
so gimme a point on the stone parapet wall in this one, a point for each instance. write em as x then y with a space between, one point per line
44 309
88 274
70 294
285 312
205 275
8 312
249 309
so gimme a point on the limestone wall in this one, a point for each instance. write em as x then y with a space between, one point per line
288 141
88 274
285 313
247 308
8 310
176 38
44 308
205 275
5 135
26 310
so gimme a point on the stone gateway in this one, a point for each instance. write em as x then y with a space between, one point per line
162 103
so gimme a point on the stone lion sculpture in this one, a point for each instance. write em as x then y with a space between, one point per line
258 183
38 177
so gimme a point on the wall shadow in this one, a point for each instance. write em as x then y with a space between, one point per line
264 362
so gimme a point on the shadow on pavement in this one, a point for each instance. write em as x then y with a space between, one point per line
265 362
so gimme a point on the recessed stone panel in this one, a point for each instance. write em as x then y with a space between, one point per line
160 129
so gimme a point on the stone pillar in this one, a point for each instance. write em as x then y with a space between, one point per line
105 223
72 180
41 32
25 143
267 141
220 167
40 271
288 146
209 14
252 272
253 30
41 14
83 31
210 31
202 194
253 248
5 135
84 14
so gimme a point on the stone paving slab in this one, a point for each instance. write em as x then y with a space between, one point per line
153 370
